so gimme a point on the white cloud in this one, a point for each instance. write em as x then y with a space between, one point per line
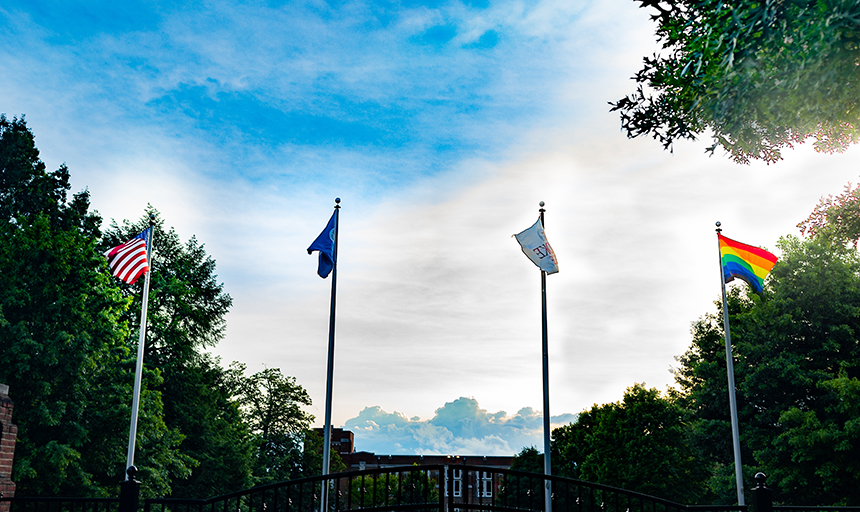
460 427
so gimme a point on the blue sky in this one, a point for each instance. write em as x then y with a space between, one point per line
441 125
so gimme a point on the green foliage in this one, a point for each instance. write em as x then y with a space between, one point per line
68 336
527 492
391 489
828 438
185 316
272 405
640 444
760 76
62 333
702 377
417 487
186 305
216 433
796 368
312 456
531 460
374 490
837 218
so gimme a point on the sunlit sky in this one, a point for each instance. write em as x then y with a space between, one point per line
441 125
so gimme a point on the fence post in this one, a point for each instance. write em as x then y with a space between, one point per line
444 475
129 491
762 495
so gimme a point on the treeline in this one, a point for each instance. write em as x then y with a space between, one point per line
68 342
796 352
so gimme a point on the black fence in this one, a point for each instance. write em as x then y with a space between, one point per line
453 488
60 504
391 489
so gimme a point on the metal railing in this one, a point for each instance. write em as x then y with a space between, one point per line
431 488
412 488
508 490
792 508
25 504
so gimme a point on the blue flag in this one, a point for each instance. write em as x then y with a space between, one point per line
325 245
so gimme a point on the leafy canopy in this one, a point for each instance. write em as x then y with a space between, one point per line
796 356
837 218
68 333
639 443
62 335
272 403
760 76
185 316
796 350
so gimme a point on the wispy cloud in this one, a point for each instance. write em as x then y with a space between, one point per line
407 89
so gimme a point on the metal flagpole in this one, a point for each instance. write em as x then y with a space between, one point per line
739 477
138 372
547 466
330 376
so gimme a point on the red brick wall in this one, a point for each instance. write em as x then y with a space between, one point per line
8 436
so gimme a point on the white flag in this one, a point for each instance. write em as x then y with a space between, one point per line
534 245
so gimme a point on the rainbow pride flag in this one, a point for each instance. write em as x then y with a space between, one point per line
745 262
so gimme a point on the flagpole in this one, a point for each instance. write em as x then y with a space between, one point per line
730 370
547 466
330 375
138 372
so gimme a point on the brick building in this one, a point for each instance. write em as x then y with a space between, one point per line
343 443
477 484
8 436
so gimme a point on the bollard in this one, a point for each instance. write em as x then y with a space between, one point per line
762 495
129 491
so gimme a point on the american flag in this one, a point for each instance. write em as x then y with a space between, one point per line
128 261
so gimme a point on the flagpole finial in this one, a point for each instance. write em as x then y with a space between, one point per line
719 229
337 202
151 219
542 204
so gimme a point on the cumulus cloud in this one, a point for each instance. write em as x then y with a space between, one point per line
460 427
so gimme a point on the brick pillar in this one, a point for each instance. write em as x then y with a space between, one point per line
8 436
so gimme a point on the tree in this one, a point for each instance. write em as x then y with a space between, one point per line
185 316
415 487
272 404
216 432
529 459
62 337
639 444
761 76
525 492
796 351
836 217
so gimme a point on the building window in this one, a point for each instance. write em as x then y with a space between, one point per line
458 483
486 485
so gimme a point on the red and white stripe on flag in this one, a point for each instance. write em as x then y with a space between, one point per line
128 261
